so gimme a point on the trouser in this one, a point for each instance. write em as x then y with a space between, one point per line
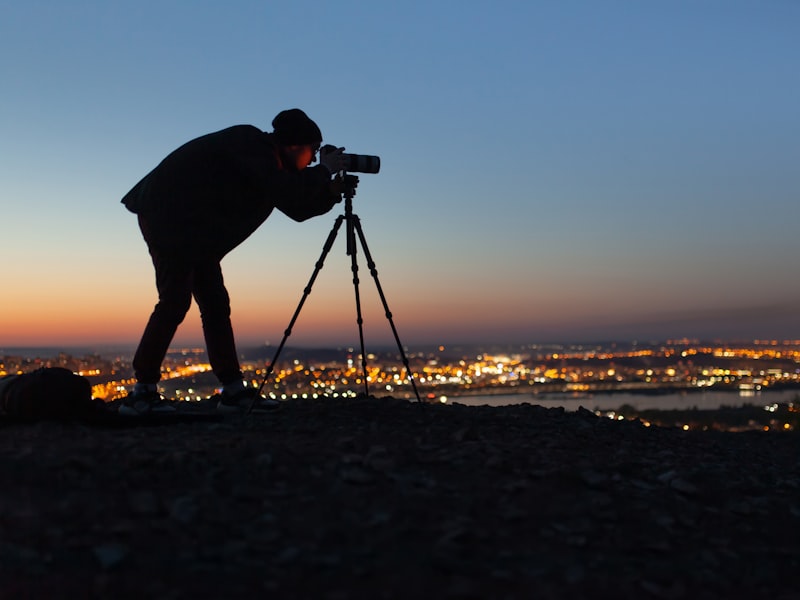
180 277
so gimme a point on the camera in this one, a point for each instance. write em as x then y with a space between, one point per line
357 163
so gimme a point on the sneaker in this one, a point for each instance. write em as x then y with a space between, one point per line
135 405
244 401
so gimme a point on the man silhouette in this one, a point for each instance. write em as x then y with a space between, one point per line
200 202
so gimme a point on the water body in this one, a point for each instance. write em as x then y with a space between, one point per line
706 400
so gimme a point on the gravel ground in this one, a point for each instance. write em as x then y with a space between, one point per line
383 498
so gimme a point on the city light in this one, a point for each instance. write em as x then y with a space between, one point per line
444 376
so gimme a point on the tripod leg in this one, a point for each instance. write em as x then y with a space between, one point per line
374 272
326 248
351 250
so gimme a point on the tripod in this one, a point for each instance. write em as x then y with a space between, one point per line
353 232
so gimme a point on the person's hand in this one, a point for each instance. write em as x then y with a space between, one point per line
332 158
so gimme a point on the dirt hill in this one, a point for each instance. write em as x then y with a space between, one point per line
381 498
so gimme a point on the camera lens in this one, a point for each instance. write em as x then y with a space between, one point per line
362 163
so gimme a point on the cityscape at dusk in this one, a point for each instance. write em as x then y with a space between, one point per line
571 368
671 375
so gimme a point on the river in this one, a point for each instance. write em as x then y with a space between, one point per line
705 400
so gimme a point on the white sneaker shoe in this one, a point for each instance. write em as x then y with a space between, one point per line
148 403
248 400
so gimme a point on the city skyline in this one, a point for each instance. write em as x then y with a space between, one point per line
682 375
550 173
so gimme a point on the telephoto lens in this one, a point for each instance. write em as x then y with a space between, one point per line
362 163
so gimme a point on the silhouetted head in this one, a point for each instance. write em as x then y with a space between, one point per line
293 127
298 136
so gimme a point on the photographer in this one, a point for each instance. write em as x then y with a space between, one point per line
199 203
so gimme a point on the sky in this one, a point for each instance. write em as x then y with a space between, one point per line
550 171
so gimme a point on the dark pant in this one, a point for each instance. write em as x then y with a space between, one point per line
179 277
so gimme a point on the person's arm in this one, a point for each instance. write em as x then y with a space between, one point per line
304 194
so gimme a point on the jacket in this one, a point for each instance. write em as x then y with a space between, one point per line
213 192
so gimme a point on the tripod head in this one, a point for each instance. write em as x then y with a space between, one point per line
348 184
345 185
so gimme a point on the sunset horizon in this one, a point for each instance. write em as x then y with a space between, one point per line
548 172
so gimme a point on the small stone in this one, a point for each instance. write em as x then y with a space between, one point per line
683 486
464 434
593 479
111 554
357 475
264 459
143 503
184 509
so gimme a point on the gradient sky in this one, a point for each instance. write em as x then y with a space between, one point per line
551 171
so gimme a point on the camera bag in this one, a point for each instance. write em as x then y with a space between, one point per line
49 393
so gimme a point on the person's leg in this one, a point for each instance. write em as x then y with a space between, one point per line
215 313
174 277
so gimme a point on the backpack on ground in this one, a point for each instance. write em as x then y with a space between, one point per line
51 393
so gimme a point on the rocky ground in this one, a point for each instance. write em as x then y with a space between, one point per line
381 498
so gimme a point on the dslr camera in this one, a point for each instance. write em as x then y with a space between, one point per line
357 163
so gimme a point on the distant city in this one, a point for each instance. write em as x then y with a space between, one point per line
453 373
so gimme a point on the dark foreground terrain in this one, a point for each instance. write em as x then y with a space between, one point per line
380 498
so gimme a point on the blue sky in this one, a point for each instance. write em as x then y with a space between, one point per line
551 171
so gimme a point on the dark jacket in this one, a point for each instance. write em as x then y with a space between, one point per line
210 194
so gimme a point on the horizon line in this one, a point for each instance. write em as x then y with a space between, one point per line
194 345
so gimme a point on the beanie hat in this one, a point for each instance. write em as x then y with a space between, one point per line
293 127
